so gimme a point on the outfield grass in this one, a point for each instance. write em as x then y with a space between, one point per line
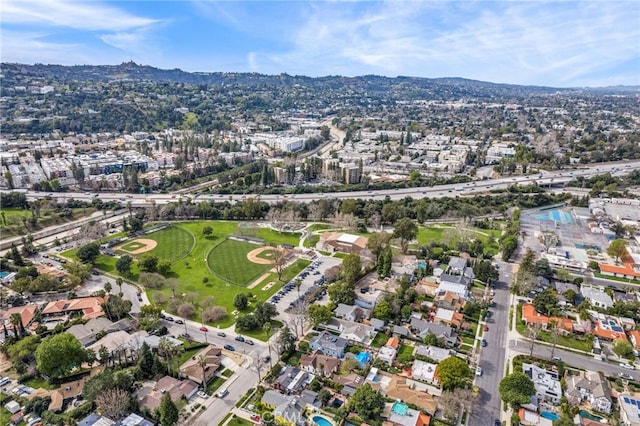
311 241
228 260
319 227
275 237
174 243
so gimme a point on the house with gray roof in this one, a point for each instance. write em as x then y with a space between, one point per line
546 383
288 407
433 352
351 312
422 328
329 344
456 265
399 330
293 380
596 297
377 324
592 387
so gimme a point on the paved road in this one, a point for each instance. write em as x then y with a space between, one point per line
492 357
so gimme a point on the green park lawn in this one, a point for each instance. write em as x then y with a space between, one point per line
228 260
488 236
191 268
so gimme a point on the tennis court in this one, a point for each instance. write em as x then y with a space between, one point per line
556 215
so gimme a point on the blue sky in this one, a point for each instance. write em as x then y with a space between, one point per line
559 43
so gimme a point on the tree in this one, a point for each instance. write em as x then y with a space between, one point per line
383 310
617 249
368 403
186 310
319 314
454 373
623 348
15 320
207 230
485 271
279 262
546 302
548 239
264 312
214 313
516 389
88 252
148 263
324 396
107 287
351 268
123 264
113 403
201 360
59 354
341 292
406 230
164 267
377 242
116 307
240 301
145 362
168 412
563 275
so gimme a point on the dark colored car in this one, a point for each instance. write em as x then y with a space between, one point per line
484 343
179 321
221 334
240 338
229 348
249 342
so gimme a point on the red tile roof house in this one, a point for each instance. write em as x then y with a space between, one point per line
27 313
167 384
629 268
87 307
531 316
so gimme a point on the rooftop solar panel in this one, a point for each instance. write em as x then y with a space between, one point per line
626 400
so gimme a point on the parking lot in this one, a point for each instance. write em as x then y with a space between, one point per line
311 277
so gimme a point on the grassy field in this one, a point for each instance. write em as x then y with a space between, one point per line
319 227
173 243
228 260
311 241
276 237
15 224
437 233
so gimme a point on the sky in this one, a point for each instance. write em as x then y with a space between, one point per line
551 43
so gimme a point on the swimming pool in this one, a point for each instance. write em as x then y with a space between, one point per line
588 415
3 274
549 415
321 421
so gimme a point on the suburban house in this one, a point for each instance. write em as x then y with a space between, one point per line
288 407
27 314
629 409
292 380
449 317
193 369
531 418
608 328
399 414
377 324
592 387
351 312
399 330
87 307
86 333
167 384
368 298
547 383
399 389
424 371
531 316
458 284
329 344
389 351
443 332
433 352
318 363
449 300
457 265
403 265
597 297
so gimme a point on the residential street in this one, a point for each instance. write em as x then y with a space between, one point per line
492 357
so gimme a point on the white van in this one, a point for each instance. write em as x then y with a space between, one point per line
222 392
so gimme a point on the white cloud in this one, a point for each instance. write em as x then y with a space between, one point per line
81 15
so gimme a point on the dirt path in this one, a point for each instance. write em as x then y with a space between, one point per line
259 280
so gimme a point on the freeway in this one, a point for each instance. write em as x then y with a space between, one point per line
545 179
492 357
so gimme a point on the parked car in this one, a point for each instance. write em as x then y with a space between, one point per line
486 328
204 329
202 394
625 376
170 319
627 366
222 392
248 342
222 334
556 358
229 348
240 338
179 321
478 371
483 343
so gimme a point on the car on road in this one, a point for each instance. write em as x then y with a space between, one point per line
140 299
625 376
239 338
486 328
170 319
497 423
222 392
627 366
203 394
204 329
556 358
185 335
221 334
248 342
483 343
229 348
179 321
478 371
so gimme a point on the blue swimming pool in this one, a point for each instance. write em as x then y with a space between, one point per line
3 274
321 421
549 415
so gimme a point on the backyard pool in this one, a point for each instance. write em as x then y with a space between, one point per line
550 415
588 415
322 421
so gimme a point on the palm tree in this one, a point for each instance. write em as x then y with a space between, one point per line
119 281
16 321
298 284
202 362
